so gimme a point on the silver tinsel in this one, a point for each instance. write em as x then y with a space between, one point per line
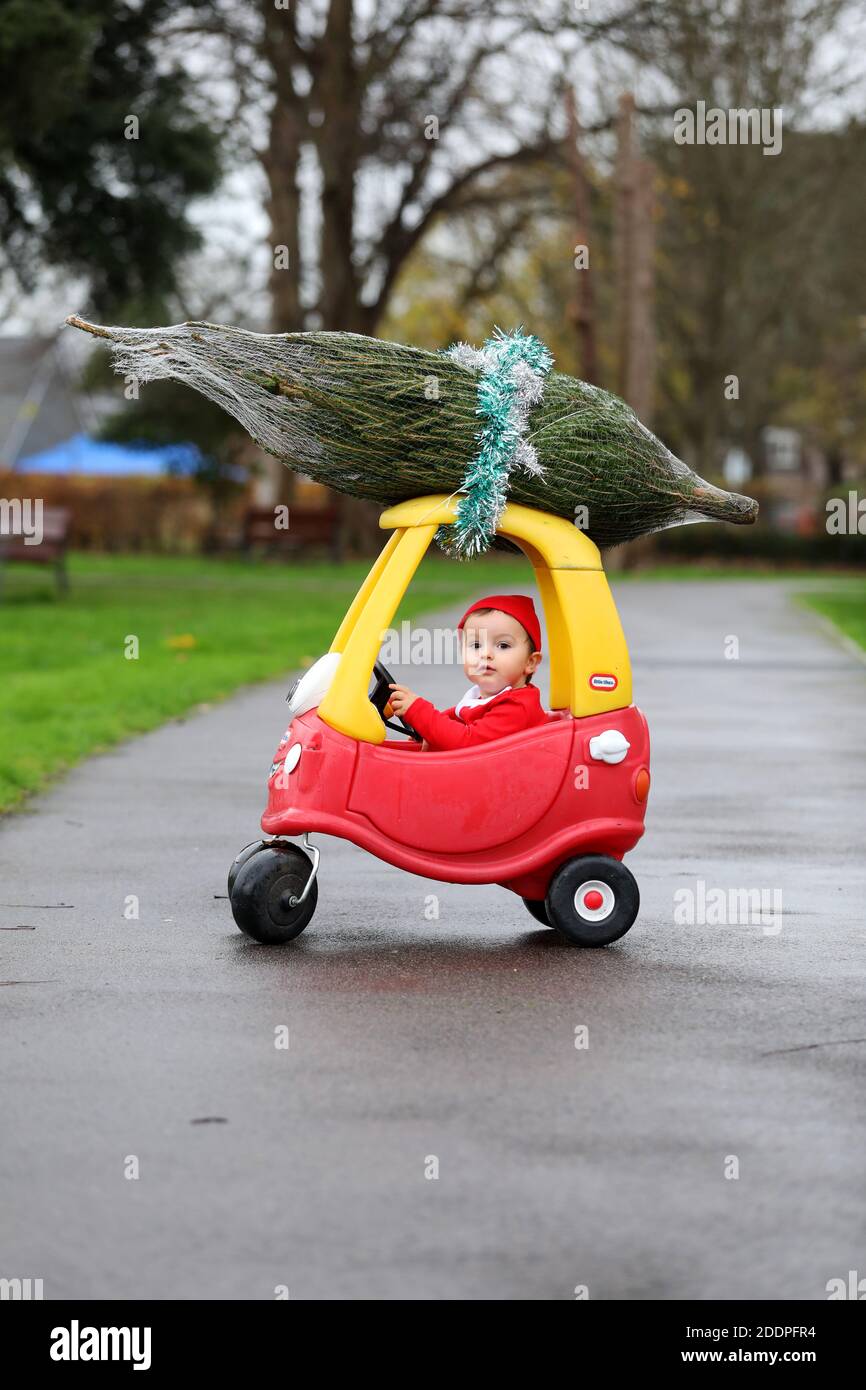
529 390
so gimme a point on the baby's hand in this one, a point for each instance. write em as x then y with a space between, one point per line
401 698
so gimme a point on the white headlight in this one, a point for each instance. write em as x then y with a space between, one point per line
311 689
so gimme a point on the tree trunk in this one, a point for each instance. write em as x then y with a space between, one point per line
642 339
336 101
623 230
634 256
280 161
581 310
634 248
337 112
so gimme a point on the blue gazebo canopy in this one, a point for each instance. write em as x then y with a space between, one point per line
83 455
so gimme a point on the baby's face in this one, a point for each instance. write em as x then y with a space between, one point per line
497 652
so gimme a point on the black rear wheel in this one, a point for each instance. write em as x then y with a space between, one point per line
265 893
537 908
592 900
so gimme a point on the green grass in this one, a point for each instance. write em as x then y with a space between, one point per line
66 688
846 607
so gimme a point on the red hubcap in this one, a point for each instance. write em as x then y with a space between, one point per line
592 900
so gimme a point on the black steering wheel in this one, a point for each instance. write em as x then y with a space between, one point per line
379 697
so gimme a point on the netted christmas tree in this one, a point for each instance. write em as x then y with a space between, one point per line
387 422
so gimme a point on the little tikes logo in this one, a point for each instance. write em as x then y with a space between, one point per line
601 680
75 1343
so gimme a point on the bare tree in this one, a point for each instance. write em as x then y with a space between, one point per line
412 108
745 260
382 120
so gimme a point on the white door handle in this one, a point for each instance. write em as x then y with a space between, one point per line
609 747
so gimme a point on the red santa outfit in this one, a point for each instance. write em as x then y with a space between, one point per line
479 719
479 722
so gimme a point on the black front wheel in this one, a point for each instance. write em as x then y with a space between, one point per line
240 859
592 900
266 890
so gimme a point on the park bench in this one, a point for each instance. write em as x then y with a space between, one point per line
51 549
307 526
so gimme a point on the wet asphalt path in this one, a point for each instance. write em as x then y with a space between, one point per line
454 1038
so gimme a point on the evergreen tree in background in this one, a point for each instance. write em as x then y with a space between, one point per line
77 79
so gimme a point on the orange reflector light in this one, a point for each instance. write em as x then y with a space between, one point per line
642 784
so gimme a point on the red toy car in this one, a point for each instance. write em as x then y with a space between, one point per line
576 785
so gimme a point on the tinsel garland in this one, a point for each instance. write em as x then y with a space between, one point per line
512 370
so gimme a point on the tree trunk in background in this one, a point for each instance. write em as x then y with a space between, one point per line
280 161
634 252
338 97
623 229
581 310
337 113
283 205
642 338
634 249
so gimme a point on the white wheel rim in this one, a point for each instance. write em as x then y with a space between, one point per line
603 909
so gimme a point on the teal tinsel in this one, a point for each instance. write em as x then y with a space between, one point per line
504 398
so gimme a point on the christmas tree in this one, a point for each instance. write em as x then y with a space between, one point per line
387 422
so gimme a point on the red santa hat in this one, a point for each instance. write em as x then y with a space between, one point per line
516 606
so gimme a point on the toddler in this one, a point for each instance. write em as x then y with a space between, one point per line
501 649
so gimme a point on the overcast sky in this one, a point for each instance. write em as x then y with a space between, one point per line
234 224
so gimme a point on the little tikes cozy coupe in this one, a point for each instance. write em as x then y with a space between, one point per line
547 813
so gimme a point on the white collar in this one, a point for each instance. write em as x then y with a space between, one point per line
473 697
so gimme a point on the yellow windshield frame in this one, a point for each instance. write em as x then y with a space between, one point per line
590 670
